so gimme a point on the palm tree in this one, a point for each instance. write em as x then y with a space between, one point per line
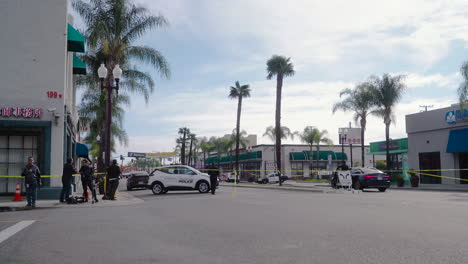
361 101
280 67
285 133
387 92
308 136
232 141
184 133
193 138
238 92
112 27
221 146
206 146
320 137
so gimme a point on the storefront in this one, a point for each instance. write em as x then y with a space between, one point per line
398 149
38 115
438 145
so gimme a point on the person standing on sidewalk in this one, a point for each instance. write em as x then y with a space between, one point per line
32 180
67 179
87 180
113 174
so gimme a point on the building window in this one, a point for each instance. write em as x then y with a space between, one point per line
297 169
430 161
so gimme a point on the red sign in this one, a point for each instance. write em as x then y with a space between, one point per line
21 112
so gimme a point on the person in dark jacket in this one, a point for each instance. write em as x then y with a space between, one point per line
32 180
113 174
67 180
87 180
214 173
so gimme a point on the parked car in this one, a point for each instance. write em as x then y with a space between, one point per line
231 177
178 178
364 178
138 179
272 178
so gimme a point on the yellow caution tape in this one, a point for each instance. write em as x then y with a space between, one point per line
438 176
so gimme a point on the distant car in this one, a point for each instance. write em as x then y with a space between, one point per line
230 177
364 178
137 179
178 178
272 178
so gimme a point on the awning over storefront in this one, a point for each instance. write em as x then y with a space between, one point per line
79 67
458 141
248 156
82 150
75 40
305 155
339 155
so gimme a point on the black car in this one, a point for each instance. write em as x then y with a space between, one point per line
364 178
137 180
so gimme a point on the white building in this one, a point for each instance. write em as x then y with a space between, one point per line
38 115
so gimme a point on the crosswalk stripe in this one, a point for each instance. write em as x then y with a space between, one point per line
7 233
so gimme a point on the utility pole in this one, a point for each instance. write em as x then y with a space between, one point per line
350 149
425 107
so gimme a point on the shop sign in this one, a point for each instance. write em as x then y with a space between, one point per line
17 111
136 155
392 145
349 135
455 115
161 154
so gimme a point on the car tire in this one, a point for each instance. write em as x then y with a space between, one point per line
357 185
203 187
382 189
157 188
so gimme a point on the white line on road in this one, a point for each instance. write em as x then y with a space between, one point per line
7 233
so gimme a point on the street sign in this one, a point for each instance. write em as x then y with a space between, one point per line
161 154
350 135
136 154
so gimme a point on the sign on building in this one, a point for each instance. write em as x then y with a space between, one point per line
161 154
350 135
136 155
26 112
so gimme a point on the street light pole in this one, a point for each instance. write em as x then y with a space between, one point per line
116 73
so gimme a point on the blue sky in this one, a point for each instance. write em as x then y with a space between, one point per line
333 45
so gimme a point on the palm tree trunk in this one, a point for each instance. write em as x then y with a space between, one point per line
190 153
311 156
363 129
279 86
239 107
204 159
183 149
318 158
387 143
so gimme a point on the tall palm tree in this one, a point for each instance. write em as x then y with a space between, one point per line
280 67
387 92
112 29
232 141
184 134
193 138
320 137
285 133
221 146
238 92
361 101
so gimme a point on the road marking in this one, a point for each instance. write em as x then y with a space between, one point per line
7 233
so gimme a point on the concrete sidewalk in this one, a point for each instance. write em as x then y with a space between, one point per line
273 187
123 198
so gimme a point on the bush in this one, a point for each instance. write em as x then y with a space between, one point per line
380 165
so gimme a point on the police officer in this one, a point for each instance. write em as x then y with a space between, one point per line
67 179
213 178
87 180
113 174
32 179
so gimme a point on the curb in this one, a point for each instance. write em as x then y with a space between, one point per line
297 189
426 190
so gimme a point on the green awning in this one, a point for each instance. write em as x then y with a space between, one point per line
79 67
211 160
256 155
323 155
75 41
338 156
294 156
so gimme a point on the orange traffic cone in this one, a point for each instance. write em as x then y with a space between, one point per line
88 196
17 197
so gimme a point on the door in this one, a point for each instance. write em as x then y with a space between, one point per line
186 177
14 152
169 176
430 161
463 167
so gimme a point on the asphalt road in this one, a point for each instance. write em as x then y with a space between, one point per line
249 226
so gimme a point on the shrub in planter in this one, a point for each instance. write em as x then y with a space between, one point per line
414 179
400 181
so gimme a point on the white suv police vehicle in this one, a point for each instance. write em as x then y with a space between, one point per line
178 178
